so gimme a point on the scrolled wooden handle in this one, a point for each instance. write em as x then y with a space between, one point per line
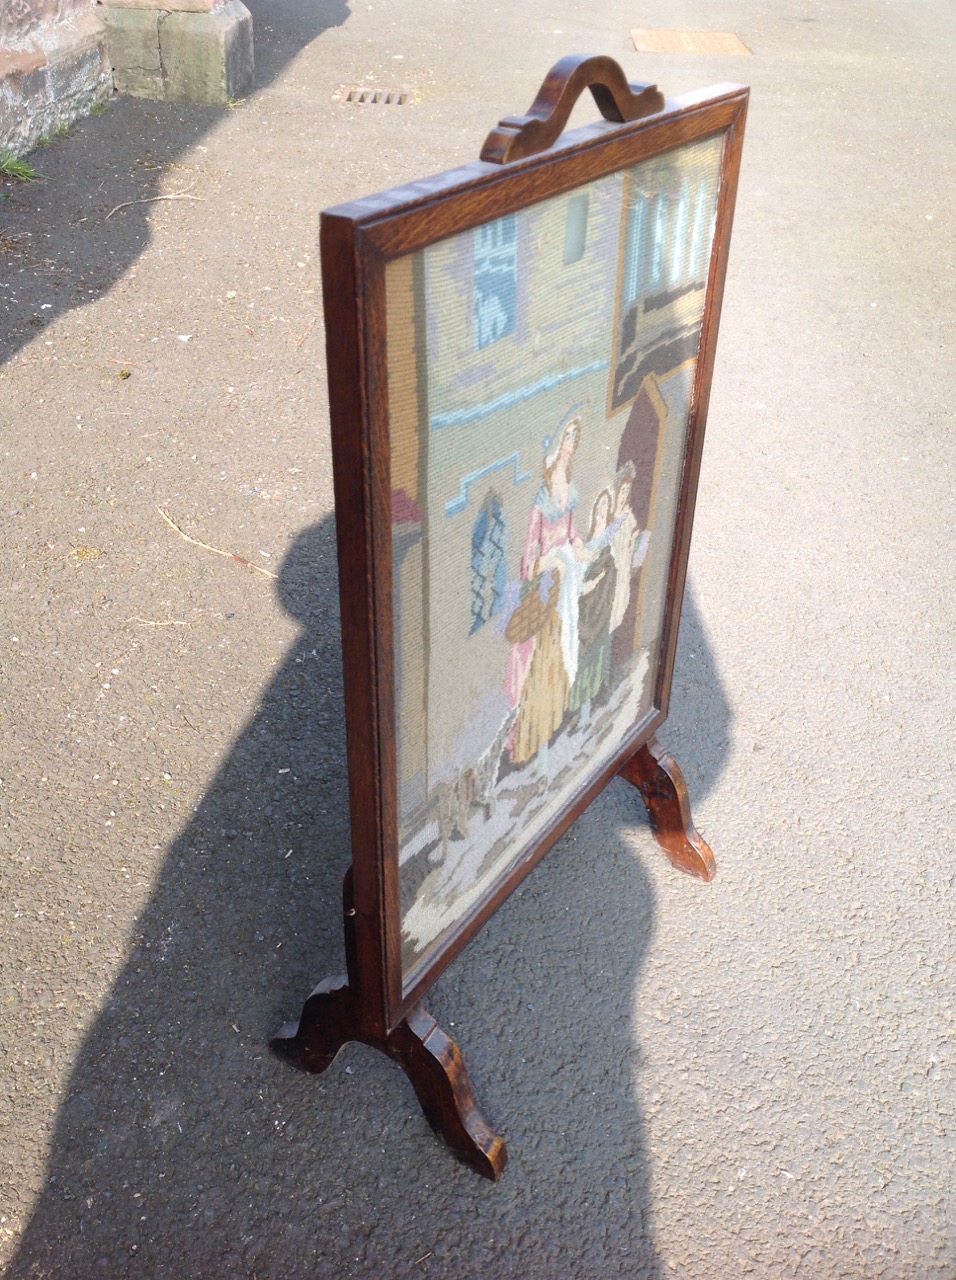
519 136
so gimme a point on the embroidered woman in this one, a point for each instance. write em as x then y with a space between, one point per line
541 669
594 610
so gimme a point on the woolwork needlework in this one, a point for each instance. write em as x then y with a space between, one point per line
541 379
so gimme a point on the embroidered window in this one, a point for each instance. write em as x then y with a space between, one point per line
635 255
679 229
488 563
667 240
496 280
704 214
659 242
576 229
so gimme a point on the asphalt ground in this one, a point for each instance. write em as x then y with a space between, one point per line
751 1078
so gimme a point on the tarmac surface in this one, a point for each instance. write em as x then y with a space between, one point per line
752 1078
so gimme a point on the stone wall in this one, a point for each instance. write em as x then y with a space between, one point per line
59 57
20 19
54 66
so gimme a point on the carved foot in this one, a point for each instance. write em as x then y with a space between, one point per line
325 1026
433 1063
431 1060
657 776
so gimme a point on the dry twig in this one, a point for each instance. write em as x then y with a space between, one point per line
230 555
306 334
147 622
182 195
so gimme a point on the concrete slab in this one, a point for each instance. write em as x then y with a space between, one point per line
197 52
133 37
208 57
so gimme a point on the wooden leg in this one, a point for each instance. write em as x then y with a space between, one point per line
657 776
433 1063
431 1060
324 1027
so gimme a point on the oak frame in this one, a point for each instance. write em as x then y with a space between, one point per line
358 240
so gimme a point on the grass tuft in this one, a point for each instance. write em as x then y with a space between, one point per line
12 166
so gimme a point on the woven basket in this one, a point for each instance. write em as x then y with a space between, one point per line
529 617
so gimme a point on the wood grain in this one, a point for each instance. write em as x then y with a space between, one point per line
658 777
517 137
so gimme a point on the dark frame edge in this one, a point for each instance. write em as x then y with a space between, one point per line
694 447
366 906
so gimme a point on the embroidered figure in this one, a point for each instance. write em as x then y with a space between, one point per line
542 667
598 592
628 545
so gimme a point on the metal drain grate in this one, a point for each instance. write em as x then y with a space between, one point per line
647 40
361 95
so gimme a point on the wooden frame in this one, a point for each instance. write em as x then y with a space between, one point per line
371 251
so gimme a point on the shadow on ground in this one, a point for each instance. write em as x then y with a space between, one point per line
184 1148
60 248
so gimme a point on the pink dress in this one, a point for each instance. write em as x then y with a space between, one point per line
548 528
